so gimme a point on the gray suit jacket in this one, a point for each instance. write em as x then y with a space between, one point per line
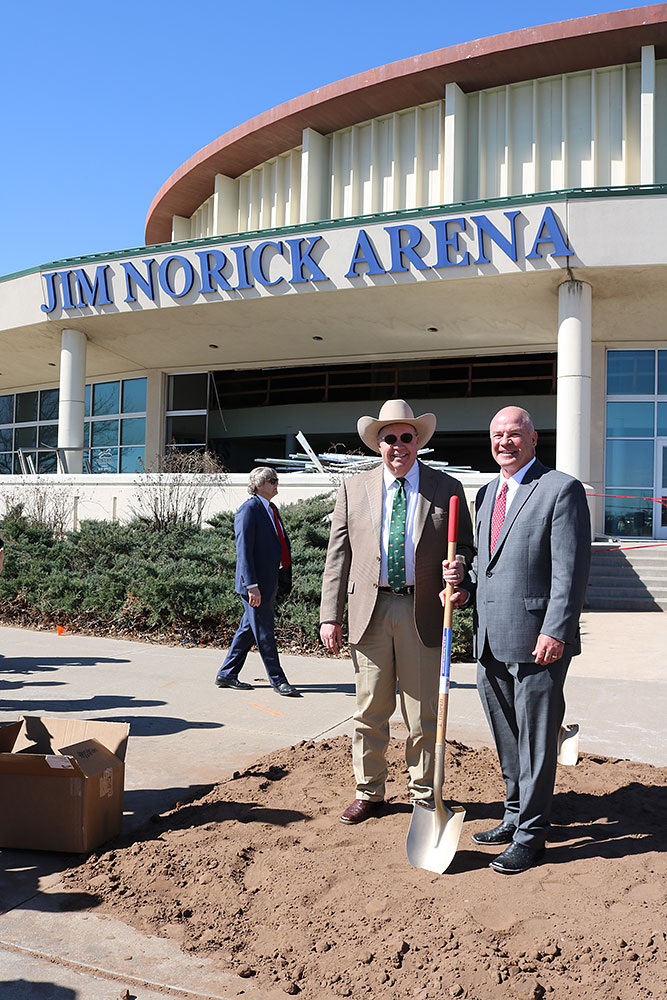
536 579
352 568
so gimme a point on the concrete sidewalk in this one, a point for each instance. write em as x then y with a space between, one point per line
186 733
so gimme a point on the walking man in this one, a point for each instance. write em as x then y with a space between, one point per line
528 583
262 560
386 550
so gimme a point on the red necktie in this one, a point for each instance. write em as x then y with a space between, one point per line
498 517
285 559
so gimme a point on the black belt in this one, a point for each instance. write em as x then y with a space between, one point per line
403 592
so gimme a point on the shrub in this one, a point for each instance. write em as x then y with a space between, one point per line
175 583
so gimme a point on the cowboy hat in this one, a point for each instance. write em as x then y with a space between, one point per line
395 411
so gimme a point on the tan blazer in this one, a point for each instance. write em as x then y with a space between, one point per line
352 567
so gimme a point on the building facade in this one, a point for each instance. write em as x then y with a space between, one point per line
479 225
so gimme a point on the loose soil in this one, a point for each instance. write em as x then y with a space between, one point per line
258 875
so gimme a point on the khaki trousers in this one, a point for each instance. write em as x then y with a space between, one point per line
391 652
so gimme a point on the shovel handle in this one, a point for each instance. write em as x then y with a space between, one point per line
446 653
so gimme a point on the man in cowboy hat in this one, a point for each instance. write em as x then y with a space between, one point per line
386 551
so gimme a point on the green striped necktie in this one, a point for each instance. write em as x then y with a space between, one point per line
396 553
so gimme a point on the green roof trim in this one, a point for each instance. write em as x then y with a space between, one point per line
569 194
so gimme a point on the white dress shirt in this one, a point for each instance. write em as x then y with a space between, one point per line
390 485
513 483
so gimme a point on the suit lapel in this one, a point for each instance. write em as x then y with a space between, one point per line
374 495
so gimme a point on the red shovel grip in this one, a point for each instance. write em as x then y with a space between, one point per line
453 519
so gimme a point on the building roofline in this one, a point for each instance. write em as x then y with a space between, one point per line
562 47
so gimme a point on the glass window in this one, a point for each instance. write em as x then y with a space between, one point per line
86 435
134 395
630 419
48 436
131 459
662 419
186 430
630 463
187 392
87 395
631 514
6 409
662 373
6 464
26 437
104 460
48 404
630 373
47 462
18 471
6 439
133 431
26 407
106 398
104 433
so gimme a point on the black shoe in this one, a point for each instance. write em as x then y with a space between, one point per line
233 682
501 834
286 689
516 858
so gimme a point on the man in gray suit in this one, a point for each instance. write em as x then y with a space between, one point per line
528 583
386 550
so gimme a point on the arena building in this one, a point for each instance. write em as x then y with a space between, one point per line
479 225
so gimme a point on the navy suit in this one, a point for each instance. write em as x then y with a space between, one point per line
257 563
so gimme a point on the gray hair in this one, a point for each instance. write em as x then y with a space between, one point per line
260 475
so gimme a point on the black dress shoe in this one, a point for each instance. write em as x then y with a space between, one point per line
516 858
233 682
287 690
501 834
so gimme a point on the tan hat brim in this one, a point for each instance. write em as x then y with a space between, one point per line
368 428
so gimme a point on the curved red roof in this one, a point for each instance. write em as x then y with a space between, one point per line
562 47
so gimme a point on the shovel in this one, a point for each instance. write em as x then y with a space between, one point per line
434 833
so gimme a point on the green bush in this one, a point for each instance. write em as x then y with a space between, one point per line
176 583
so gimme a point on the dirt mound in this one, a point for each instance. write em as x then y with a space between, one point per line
259 875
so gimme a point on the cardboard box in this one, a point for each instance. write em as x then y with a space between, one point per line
61 783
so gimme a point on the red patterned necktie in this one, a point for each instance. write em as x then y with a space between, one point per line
498 517
285 559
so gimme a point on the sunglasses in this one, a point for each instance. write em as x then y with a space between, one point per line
392 439
274 482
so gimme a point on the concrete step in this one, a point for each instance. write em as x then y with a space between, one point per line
631 593
624 604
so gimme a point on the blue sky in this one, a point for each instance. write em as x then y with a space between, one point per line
102 102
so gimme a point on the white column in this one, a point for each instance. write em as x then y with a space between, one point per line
455 144
314 177
225 205
573 401
72 397
647 139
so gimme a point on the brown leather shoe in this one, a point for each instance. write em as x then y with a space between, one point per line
360 810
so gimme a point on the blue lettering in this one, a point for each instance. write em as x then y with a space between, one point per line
213 272
134 280
68 303
484 225
256 265
51 294
167 284
443 243
242 265
549 232
302 258
364 253
98 292
408 250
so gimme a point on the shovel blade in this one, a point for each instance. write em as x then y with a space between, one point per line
568 745
434 836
